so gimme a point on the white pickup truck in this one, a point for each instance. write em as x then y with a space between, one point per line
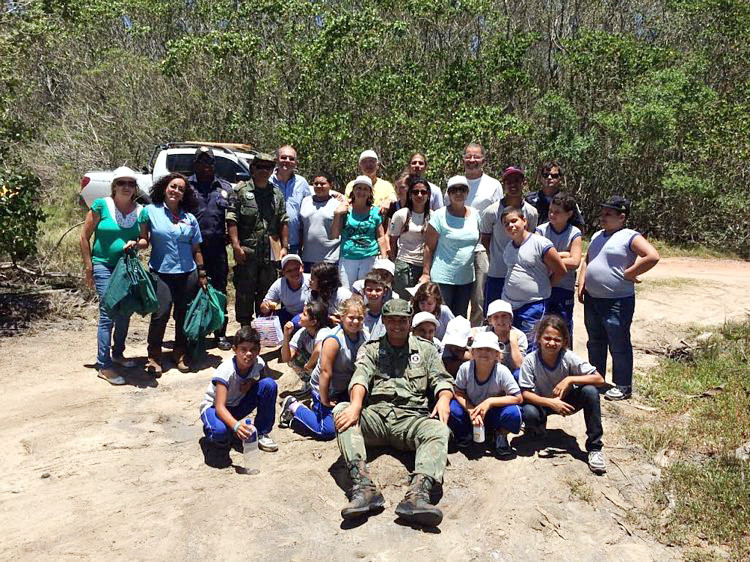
172 157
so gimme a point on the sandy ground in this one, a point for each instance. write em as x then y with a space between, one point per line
94 471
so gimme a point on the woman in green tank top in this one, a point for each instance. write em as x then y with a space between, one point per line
114 223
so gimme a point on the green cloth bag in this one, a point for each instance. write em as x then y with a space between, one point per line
131 289
204 316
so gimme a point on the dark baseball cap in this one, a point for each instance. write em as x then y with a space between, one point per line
618 203
513 170
205 153
397 307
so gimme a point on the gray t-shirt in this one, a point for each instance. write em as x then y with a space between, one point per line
227 374
542 379
608 257
492 225
527 279
343 364
374 325
499 383
341 294
523 346
316 218
305 341
562 242
293 301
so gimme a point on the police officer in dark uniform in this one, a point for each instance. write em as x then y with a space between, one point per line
212 195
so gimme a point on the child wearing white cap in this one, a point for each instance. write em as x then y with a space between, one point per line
424 325
456 344
486 395
289 293
500 322
387 269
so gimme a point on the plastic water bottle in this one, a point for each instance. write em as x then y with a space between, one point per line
250 452
478 433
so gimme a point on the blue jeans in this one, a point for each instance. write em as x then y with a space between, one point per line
102 275
261 395
456 297
507 417
608 325
526 318
493 290
561 303
584 398
318 422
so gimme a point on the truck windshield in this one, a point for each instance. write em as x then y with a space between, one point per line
225 168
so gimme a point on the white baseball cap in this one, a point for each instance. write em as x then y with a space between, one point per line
413 290
486 340
368 154
421 317
457 332
364 180
123 172
385 264
290 257
499 306
457 180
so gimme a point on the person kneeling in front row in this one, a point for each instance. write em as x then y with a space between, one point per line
388 406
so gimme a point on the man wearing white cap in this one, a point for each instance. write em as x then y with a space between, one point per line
486 395
383 191
289 293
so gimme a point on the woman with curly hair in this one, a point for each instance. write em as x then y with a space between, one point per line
176 263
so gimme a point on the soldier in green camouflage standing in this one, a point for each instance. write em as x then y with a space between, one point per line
257 211
388 406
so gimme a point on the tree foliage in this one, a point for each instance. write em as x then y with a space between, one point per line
648 98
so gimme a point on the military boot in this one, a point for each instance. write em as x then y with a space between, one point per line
416 506
364 496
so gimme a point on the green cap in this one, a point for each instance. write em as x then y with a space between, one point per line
264 157
397 307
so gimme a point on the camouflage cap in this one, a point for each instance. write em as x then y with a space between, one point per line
263 157
397 307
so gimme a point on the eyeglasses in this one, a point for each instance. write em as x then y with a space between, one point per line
419 192
552 176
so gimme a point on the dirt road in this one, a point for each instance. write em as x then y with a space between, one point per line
94 471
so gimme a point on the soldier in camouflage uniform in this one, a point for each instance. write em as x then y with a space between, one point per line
257 211
394 377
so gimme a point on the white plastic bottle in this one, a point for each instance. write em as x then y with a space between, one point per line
250 452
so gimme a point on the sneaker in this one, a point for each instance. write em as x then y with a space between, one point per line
502 448
122 362
265 443
223 343
111 377
286 416
596 462
617 393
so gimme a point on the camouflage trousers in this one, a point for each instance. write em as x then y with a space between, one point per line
251 282
384 425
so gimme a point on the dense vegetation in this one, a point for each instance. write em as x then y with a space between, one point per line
650 98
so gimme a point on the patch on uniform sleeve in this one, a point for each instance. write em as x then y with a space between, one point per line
224 193
415 359
249 195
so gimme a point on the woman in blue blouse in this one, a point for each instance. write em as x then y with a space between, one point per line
176 263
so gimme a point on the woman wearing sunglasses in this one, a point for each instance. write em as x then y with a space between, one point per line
114 223
451 237
407 232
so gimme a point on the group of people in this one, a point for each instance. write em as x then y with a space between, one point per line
411 315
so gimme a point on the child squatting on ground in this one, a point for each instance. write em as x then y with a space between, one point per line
554 380
486 394
235 390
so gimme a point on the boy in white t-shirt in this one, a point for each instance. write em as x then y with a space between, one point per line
487 395
236 389
514 341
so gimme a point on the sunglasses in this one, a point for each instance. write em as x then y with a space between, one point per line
419 192
459 188
552 176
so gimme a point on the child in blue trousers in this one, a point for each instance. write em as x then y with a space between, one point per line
235 390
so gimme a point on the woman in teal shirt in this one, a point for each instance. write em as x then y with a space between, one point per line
451 237
360 225
114 223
